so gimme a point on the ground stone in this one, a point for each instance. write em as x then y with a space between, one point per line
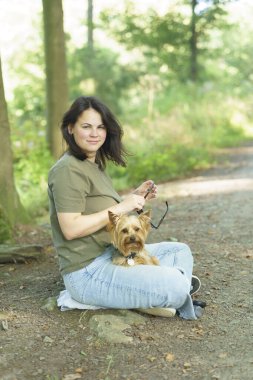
50 304
111 327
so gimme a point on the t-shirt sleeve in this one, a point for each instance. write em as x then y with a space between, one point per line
69 188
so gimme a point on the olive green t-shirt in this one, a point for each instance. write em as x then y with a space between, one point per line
78 186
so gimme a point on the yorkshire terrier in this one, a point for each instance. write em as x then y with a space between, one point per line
128 235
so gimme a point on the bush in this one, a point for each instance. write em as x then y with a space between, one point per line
5 228
188 125
160 163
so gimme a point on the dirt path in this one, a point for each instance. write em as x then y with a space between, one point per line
213 214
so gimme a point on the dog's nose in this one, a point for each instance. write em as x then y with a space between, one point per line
132 238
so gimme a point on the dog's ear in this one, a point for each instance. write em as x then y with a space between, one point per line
113 218
147 213
145 217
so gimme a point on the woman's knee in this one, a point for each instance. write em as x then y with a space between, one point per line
183 247
178 290
184 254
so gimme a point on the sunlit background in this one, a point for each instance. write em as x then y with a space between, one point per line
174 120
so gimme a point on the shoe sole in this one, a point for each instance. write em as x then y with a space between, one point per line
159 311
196 285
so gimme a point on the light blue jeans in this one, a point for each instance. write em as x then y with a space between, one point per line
104 284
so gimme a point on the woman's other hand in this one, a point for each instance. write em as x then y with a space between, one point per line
144 187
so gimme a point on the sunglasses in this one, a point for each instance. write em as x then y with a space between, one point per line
166 211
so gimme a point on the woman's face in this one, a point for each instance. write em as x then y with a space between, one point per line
89 132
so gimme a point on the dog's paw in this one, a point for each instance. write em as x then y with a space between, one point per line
155 260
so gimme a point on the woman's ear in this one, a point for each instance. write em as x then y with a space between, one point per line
70 129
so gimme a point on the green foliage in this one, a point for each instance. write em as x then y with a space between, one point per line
98 72
160 162
5 228
28 126
31 169
165 162
168 41
163 41
189 123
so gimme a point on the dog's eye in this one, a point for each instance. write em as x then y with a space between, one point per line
136 229
125 230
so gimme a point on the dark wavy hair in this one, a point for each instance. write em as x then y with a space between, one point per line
112 149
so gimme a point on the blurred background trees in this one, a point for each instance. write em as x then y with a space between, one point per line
11 210
56 73
177 74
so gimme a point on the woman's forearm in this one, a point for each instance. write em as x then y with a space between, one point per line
75 225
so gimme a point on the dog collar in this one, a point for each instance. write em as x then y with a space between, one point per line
130 258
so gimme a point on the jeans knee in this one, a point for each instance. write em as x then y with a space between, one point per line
184 247
180 291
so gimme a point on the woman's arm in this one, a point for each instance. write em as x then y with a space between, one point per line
74 225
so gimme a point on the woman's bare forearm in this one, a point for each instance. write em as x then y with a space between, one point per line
75 225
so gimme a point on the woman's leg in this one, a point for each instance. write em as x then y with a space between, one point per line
177 255
143 286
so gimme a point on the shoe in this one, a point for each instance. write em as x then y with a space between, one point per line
159 311
195 285
202 304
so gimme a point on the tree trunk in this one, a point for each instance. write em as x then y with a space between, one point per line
11 210
56 73
193 44
90 25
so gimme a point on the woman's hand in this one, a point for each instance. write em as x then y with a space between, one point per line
130 203
144 187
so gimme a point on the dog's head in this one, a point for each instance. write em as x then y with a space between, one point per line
129 232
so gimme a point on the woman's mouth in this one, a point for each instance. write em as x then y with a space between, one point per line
93 142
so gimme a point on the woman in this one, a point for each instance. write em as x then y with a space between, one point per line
81 194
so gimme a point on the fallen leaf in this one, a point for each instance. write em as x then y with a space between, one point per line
5 326
170 357
4 315
248 254
47 339
198 330
223 355
72 376
151 358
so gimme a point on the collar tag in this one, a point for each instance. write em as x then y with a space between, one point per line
130 261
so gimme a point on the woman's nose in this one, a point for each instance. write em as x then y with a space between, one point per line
94 131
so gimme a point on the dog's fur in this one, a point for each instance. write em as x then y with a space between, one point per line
128 235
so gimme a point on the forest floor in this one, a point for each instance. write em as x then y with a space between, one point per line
212 213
